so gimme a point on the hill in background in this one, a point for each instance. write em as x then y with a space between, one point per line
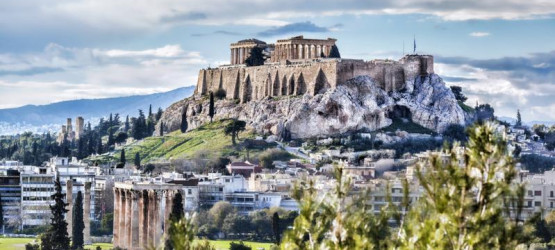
41 118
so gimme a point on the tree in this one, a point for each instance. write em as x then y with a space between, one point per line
276 228
176 215
159 114
122 156
126 126
137 160
56 236
78 225
233 129
455 132
236 224
518 119
457 91
220 211
121 137
334 52
256 57
466 201
162 128
184 123
484 112
211 106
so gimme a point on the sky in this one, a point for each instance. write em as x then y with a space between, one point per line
501 52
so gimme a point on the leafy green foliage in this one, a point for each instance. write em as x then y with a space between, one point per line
267 157
408 126
457 91
536 163
484 112
238 246
211 106
233 129
455 132
220 94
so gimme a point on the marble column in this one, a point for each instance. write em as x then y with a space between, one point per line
158 218
231 59
116 217
150 215
87 214
143 219
69 201
135 220
122 219
128 217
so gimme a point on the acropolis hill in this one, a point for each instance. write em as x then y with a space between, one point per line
302 89
297 66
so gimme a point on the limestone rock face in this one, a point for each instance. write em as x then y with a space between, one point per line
358 104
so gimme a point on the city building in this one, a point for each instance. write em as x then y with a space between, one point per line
37 187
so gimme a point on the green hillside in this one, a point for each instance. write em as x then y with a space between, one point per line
209 138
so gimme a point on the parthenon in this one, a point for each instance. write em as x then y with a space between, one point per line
141 211
300 48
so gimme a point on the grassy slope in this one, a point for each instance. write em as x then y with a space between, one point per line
209 138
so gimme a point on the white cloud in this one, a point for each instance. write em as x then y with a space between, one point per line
479 34
94 73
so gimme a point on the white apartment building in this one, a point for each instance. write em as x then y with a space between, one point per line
79 173
37 187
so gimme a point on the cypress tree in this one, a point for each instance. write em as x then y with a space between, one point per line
275 227
56 236
211 106
518 118
137 160
126 128
78 223
334 52
176 215
122 156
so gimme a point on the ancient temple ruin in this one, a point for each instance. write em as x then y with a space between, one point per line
297 66
141 211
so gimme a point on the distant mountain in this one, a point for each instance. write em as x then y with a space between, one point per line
32 116
528 123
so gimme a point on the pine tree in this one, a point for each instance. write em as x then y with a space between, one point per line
518 118
137 160
211 106
150 111
162 128
56 236
122 156
78 223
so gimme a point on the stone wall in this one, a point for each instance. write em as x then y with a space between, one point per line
297 77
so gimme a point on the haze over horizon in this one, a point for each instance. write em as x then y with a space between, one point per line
500 53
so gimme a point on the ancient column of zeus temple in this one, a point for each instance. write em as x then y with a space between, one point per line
141 211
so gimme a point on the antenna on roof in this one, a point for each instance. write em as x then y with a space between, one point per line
414 48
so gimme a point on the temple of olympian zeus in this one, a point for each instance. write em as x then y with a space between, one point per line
141 211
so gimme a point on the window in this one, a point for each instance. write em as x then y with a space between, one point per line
537 193
538 203
551 204
529 204
189 191
550 193
529 192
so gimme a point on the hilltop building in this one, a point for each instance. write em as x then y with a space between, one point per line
298 65
67 131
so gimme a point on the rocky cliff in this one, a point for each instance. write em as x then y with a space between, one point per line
358 104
